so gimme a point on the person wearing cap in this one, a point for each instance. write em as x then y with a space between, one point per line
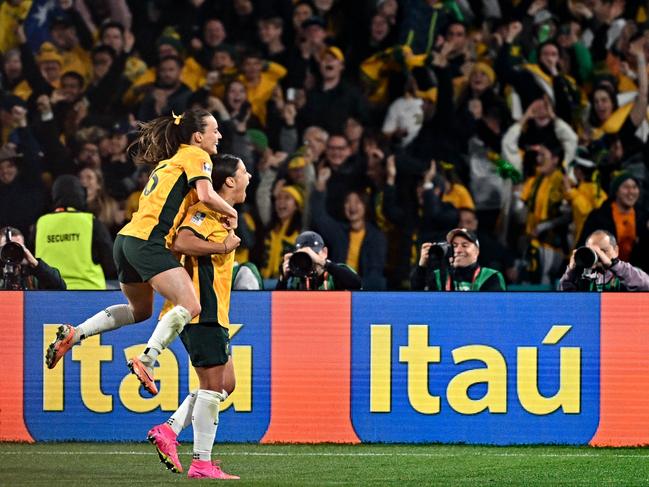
30 273
284 227
609 273
331 103
585 197
314 37
464 273
624 218
325 275
42 72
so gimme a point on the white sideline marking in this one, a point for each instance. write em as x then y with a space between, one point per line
360 454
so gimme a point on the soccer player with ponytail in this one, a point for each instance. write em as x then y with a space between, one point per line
180 146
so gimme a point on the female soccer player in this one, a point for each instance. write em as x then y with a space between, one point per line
180 145
206 338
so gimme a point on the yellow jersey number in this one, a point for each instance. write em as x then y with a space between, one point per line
153 181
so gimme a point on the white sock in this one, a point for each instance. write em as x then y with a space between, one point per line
166 331
111 318
183 415
205 419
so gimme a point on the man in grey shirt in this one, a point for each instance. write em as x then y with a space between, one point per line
608 273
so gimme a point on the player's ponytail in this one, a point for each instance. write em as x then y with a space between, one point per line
160 138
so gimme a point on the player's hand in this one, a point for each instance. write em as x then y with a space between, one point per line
231 241
230 222
572 264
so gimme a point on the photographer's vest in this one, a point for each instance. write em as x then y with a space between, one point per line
610 285
479 278
64 241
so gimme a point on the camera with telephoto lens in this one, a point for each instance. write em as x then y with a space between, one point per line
301 265
585 258
11 255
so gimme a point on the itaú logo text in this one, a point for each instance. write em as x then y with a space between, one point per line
419 357
91 354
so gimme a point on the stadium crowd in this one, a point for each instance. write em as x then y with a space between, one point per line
380 124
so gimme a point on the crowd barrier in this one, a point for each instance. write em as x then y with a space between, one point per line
482 368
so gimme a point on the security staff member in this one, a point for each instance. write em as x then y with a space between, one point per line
73 240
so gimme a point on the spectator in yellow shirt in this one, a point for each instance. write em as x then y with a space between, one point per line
260 80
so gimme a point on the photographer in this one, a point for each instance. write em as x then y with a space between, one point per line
596 267
20 269
453 266
309 269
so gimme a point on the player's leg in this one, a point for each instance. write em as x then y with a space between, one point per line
164 436
175 286
213 365
205 421
139 308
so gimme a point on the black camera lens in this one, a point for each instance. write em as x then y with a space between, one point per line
440 250
300 264
585 257
12 253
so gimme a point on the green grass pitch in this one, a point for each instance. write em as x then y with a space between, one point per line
98 464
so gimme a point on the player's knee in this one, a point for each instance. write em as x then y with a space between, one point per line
141 313
193 308
229 386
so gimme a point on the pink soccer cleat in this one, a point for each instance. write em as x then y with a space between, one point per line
144 375
164 440
59 347
204 469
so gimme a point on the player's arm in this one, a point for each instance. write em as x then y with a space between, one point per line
212 200
188 242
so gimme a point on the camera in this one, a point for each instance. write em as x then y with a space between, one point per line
11 255
301 265
585 258
439 251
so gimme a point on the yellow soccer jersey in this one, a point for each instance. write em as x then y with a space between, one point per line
211 274
168 194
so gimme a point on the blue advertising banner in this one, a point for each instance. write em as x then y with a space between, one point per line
69 401
486 368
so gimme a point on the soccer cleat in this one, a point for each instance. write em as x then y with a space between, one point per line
164 440
204 469
59 347
143 374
